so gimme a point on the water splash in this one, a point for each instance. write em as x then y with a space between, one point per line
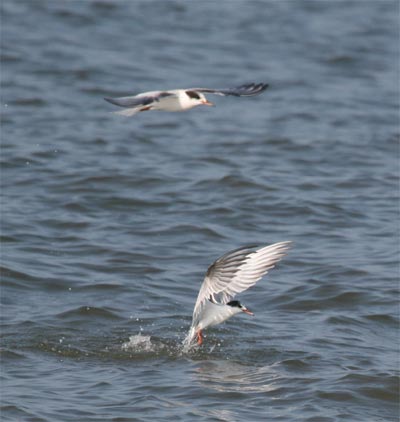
140 343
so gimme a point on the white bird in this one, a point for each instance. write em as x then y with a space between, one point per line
179 99
229 275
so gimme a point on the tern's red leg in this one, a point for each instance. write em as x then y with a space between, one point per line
199 338
145 108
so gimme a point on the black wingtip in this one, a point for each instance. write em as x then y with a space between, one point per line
250 89
261 86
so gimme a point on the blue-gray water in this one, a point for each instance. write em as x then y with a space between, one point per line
109 223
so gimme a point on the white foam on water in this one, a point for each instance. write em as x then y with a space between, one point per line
139 343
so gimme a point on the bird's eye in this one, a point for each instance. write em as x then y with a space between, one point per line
193 94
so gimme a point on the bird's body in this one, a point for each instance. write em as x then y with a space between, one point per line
178 99
229 275
215 313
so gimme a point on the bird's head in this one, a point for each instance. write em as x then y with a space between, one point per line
237 305
197 98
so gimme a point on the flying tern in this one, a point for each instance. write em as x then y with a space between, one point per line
179 99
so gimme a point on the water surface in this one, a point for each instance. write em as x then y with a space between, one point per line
109 224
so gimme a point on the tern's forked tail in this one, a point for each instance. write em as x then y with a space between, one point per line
128 111
188 343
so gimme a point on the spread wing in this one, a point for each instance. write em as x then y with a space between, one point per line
236 271
246 90
140 99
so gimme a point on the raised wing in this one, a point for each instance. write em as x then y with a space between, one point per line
139 100
236 271
246 90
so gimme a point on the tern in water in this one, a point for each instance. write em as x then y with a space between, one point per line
229 275
179 99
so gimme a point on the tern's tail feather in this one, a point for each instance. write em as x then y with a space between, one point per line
188 342
128 111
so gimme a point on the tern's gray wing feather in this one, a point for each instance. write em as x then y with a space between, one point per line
246 90
236 271
139 100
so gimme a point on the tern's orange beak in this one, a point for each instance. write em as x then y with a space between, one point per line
245 310
206 102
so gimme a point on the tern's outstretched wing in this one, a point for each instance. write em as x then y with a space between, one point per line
246 90
236 271
140 100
